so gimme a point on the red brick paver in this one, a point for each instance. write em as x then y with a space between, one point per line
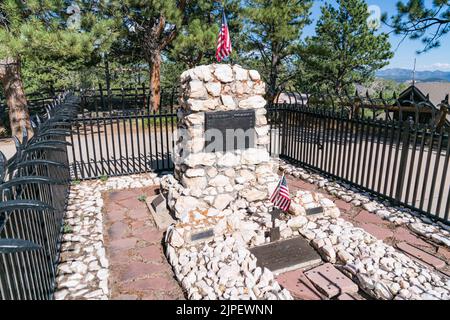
138 267
299 285
366 217
421 255
331 281
348 296
342 205
377 231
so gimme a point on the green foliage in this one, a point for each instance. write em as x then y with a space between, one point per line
67 228
103 178
273 30
344 51
76 182
52 42
418 20
142 198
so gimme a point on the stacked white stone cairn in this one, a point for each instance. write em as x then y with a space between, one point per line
217 190
216 179
83 273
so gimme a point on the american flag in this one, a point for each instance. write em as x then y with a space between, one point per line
280 197
224 41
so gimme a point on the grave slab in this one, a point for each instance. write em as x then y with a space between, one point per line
286 255
330 281
421 255
160 213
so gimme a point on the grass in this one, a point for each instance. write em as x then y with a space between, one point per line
76 182
67 228
142 198
103 178
157 121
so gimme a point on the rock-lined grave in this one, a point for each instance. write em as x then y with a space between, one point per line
220 189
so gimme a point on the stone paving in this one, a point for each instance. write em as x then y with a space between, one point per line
138 268
425 252
134 266
385 230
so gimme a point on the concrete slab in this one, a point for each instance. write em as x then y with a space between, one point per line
286 255
421 255
330 281
161 215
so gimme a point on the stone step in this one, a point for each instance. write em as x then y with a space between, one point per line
330 281
299 285
421 255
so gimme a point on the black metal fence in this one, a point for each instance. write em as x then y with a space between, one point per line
34 185
116 133
377 145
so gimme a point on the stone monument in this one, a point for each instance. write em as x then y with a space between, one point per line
221 152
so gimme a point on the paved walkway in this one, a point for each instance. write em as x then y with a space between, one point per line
138 267
391 234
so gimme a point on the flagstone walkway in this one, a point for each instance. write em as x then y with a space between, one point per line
138 267
390 233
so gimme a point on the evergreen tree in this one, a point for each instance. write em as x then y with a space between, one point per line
38 32
416 20
154 31
273 29
345 50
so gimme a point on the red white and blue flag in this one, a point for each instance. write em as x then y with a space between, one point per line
280 197
224 41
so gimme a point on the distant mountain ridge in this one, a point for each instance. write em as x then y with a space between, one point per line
403 75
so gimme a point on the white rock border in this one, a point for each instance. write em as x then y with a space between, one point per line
85 273
436 232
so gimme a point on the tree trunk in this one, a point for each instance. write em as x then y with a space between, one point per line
155 80
11 80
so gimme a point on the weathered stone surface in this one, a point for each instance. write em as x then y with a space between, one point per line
214 88
253 195
197 90
255 156
254 75
222 201
240 73
228 102
254 102
223 73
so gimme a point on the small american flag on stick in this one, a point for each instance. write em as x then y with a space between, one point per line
224 41
280 197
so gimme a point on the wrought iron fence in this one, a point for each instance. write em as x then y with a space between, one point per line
116 133
386 147
34 185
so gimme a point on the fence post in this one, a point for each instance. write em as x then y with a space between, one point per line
407 127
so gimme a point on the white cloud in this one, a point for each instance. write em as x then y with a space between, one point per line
436 66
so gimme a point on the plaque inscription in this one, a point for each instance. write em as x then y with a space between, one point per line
229 130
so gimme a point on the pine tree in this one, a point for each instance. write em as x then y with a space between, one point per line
417 20
345 50
38 32
273 30
180 30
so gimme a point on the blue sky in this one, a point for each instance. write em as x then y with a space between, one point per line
436 59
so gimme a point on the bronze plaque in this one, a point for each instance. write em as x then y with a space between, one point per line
229 130
315 210
202 235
